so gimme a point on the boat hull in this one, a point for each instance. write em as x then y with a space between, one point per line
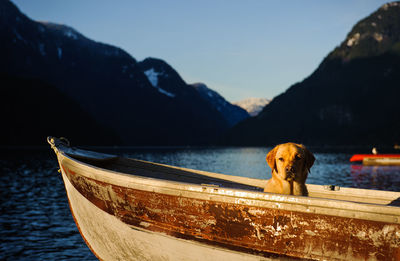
142 222
135 210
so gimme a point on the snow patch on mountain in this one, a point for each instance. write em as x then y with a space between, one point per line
152 75
388 5
65 30
42 49
71 34
41 28
253 105
353 40
166 93
59 53
18 36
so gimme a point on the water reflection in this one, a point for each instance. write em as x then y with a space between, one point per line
377 177
35 221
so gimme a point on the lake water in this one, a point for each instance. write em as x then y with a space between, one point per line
36 223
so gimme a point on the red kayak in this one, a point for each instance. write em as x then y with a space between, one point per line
361 157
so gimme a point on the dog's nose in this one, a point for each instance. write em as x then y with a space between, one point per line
289 169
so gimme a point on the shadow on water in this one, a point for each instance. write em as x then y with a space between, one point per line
36 223
395 202
376 177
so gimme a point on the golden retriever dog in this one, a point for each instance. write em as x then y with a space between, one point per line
290 164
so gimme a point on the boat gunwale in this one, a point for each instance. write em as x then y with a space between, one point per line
344 208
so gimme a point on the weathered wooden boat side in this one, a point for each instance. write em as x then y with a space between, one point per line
134 210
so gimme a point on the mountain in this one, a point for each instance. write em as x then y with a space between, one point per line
253 105
32 109
232 114
352 98
144 103
190 115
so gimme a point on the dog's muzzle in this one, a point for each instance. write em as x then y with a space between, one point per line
290 173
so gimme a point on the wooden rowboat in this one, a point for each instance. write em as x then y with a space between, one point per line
377 159
128 209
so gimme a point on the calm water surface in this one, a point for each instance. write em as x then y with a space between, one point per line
36 223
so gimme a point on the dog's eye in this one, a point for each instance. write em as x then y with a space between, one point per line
280 159
297 157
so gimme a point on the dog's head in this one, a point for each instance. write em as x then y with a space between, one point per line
290 161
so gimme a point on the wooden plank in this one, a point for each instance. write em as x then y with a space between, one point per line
381 161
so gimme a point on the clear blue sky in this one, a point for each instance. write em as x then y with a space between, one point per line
241 49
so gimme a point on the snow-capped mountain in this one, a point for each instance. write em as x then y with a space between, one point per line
253 105
352 98
233 114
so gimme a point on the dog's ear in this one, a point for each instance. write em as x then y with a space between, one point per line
271 159
309 159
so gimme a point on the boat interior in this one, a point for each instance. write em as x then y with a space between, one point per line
203 178
170 173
